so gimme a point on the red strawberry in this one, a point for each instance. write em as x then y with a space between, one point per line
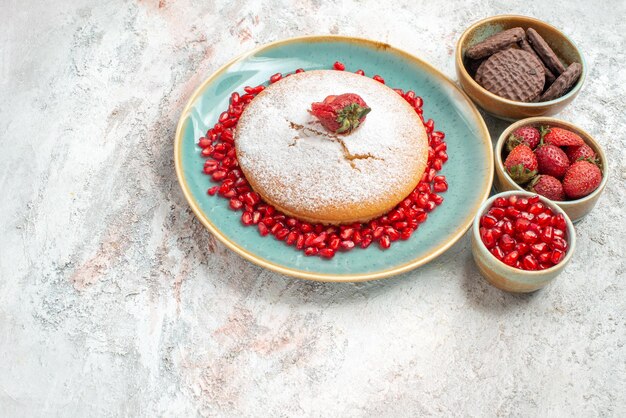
561 137
521 164
547 186
341 114
581 179
580 153
527 135
552 160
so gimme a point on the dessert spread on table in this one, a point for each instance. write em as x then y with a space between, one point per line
327 160
330 160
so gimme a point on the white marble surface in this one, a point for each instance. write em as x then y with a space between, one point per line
114 301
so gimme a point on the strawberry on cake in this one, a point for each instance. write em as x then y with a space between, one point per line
331 147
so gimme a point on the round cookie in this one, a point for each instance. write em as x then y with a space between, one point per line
513 74
316 176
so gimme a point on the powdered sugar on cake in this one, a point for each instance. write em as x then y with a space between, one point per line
300 165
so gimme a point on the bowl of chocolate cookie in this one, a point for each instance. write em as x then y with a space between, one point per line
516 67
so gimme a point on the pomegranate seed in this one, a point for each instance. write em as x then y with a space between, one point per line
384 242
339 66
346 233
547 235
537 208
334 242
488 221
275 78
522 224
392 234
235 204
508 228
256 217
521 204
204 142
379 79
522 248
291 238
557 256
438 200
263 229
306 227
421 217
300 242
544 257
512 213
529 262
538 248
487 237
559 243
308 239
529 237
282 233
327 253
309 251
218 175
401 225
230 122
213 190
441 186
511 258
498 253
558 233
276 228
246 218
500 202
360 72
507 242
229 194
227 136
347 245
378 232
366 242
299 70
558 221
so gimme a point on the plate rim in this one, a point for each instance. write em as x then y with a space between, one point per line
316 276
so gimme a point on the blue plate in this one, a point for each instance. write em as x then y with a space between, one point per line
469 169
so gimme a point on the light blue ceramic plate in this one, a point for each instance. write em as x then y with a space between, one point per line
469 170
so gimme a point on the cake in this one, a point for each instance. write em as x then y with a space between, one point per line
315 175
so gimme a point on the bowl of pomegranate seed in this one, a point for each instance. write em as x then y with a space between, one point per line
555 159
521 241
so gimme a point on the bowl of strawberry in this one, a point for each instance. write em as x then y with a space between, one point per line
521 241
554 159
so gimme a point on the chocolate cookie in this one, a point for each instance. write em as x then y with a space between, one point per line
495 43
562 84
513 74
544 51
526 47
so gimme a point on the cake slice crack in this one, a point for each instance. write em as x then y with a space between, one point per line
347 155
